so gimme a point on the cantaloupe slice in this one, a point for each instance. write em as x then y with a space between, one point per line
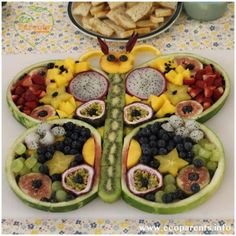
134 153
88 151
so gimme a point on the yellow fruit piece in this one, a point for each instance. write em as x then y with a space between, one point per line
117 66
101 131
81 67
134 153
130 99
170 163
179 79
160 63
52 73
67 107
145 48
72 101
53 118
62 114
90 54
179 69
157 101
69 63
171 75
175 78
51 87
78 103
88 151
59 163
186 74
68 75
61 80
167 108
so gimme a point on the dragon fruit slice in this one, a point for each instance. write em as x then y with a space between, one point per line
146 81
88 85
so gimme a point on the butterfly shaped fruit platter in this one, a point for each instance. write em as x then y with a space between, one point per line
117 130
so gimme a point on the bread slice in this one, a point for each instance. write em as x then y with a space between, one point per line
145 23
82 9
95 9
94 4
114 26
121 19
170 5
161 12
101 27
86 22
114 5
156 20
139 10
101 14
130 4
140 31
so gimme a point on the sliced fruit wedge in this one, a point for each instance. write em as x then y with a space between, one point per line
188 203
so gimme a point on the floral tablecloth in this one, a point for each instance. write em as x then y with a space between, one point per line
45 28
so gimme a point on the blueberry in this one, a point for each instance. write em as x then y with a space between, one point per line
146 151
144 182
146 132
161 143
59 145
195 187
188 146
198 163
143 140
48 155
179 194
79 158
165 137
152 144
155 129
145 159
180 147
41 158
69 126
155 164
43 169
182 154
44 199
56 177
73 151
123 58
154 151
51 148
70 197
162 151
67 149
74 136
111 57
85 133
177 139
192 176
50 65
150 197
161 133
67 141
167 197
77 129
153 138
188 139
68 133
189 155
170 145
41 151
74 144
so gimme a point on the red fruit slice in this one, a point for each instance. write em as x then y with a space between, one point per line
199 75
19 90
207 103
27 110
189 81
208 92
200 98
36 89
218 93
14 97
38 79
218 81
27 82
208 69
200 84
20 101
209 79
195 91
29 96
31 104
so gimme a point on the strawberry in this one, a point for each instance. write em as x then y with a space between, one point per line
189 81
208 92
199 75
199 98
218 82
27 82
208 69
218 93
42 94
29 96
27 110
19 90
36 89
200 84
38 79
207 103
195 91
14 98
209 79
20 101
31 104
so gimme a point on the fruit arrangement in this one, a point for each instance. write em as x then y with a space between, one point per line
55 166
167 166
171 165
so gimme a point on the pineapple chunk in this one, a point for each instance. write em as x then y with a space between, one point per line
82 66
179 79
51 87
53 118
157 101
62 114
72 101
69 63
186 74
67 107
61 80
179 69
171 75
160 63
68 75
130 99
51 74
167 108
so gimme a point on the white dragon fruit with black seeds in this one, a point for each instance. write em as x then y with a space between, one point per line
33 137
32 145
43 128
182 131
58 131
191 125
146 81
168 127
88 85
196 135
176 121
48 139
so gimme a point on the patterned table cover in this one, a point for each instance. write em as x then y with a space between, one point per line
45 27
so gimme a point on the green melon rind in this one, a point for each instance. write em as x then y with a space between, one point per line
210 112
24 119
183 205
46 206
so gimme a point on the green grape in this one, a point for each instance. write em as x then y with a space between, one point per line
30 162
170 188
24 171
169 179
61 195
20 149
196 149
209 146
158 196
17 165
35 169
56 185
215 155
204 153
211 165
203 142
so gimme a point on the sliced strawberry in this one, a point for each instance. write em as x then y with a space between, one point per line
19 90
29 96
38 79
218 82
218 93
27 82
27 110
207 103
20 101
31 104
14 98
200 98
209 79
42 94
208 69
195 91
36 89
199 75
200 84
208 92
189 81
